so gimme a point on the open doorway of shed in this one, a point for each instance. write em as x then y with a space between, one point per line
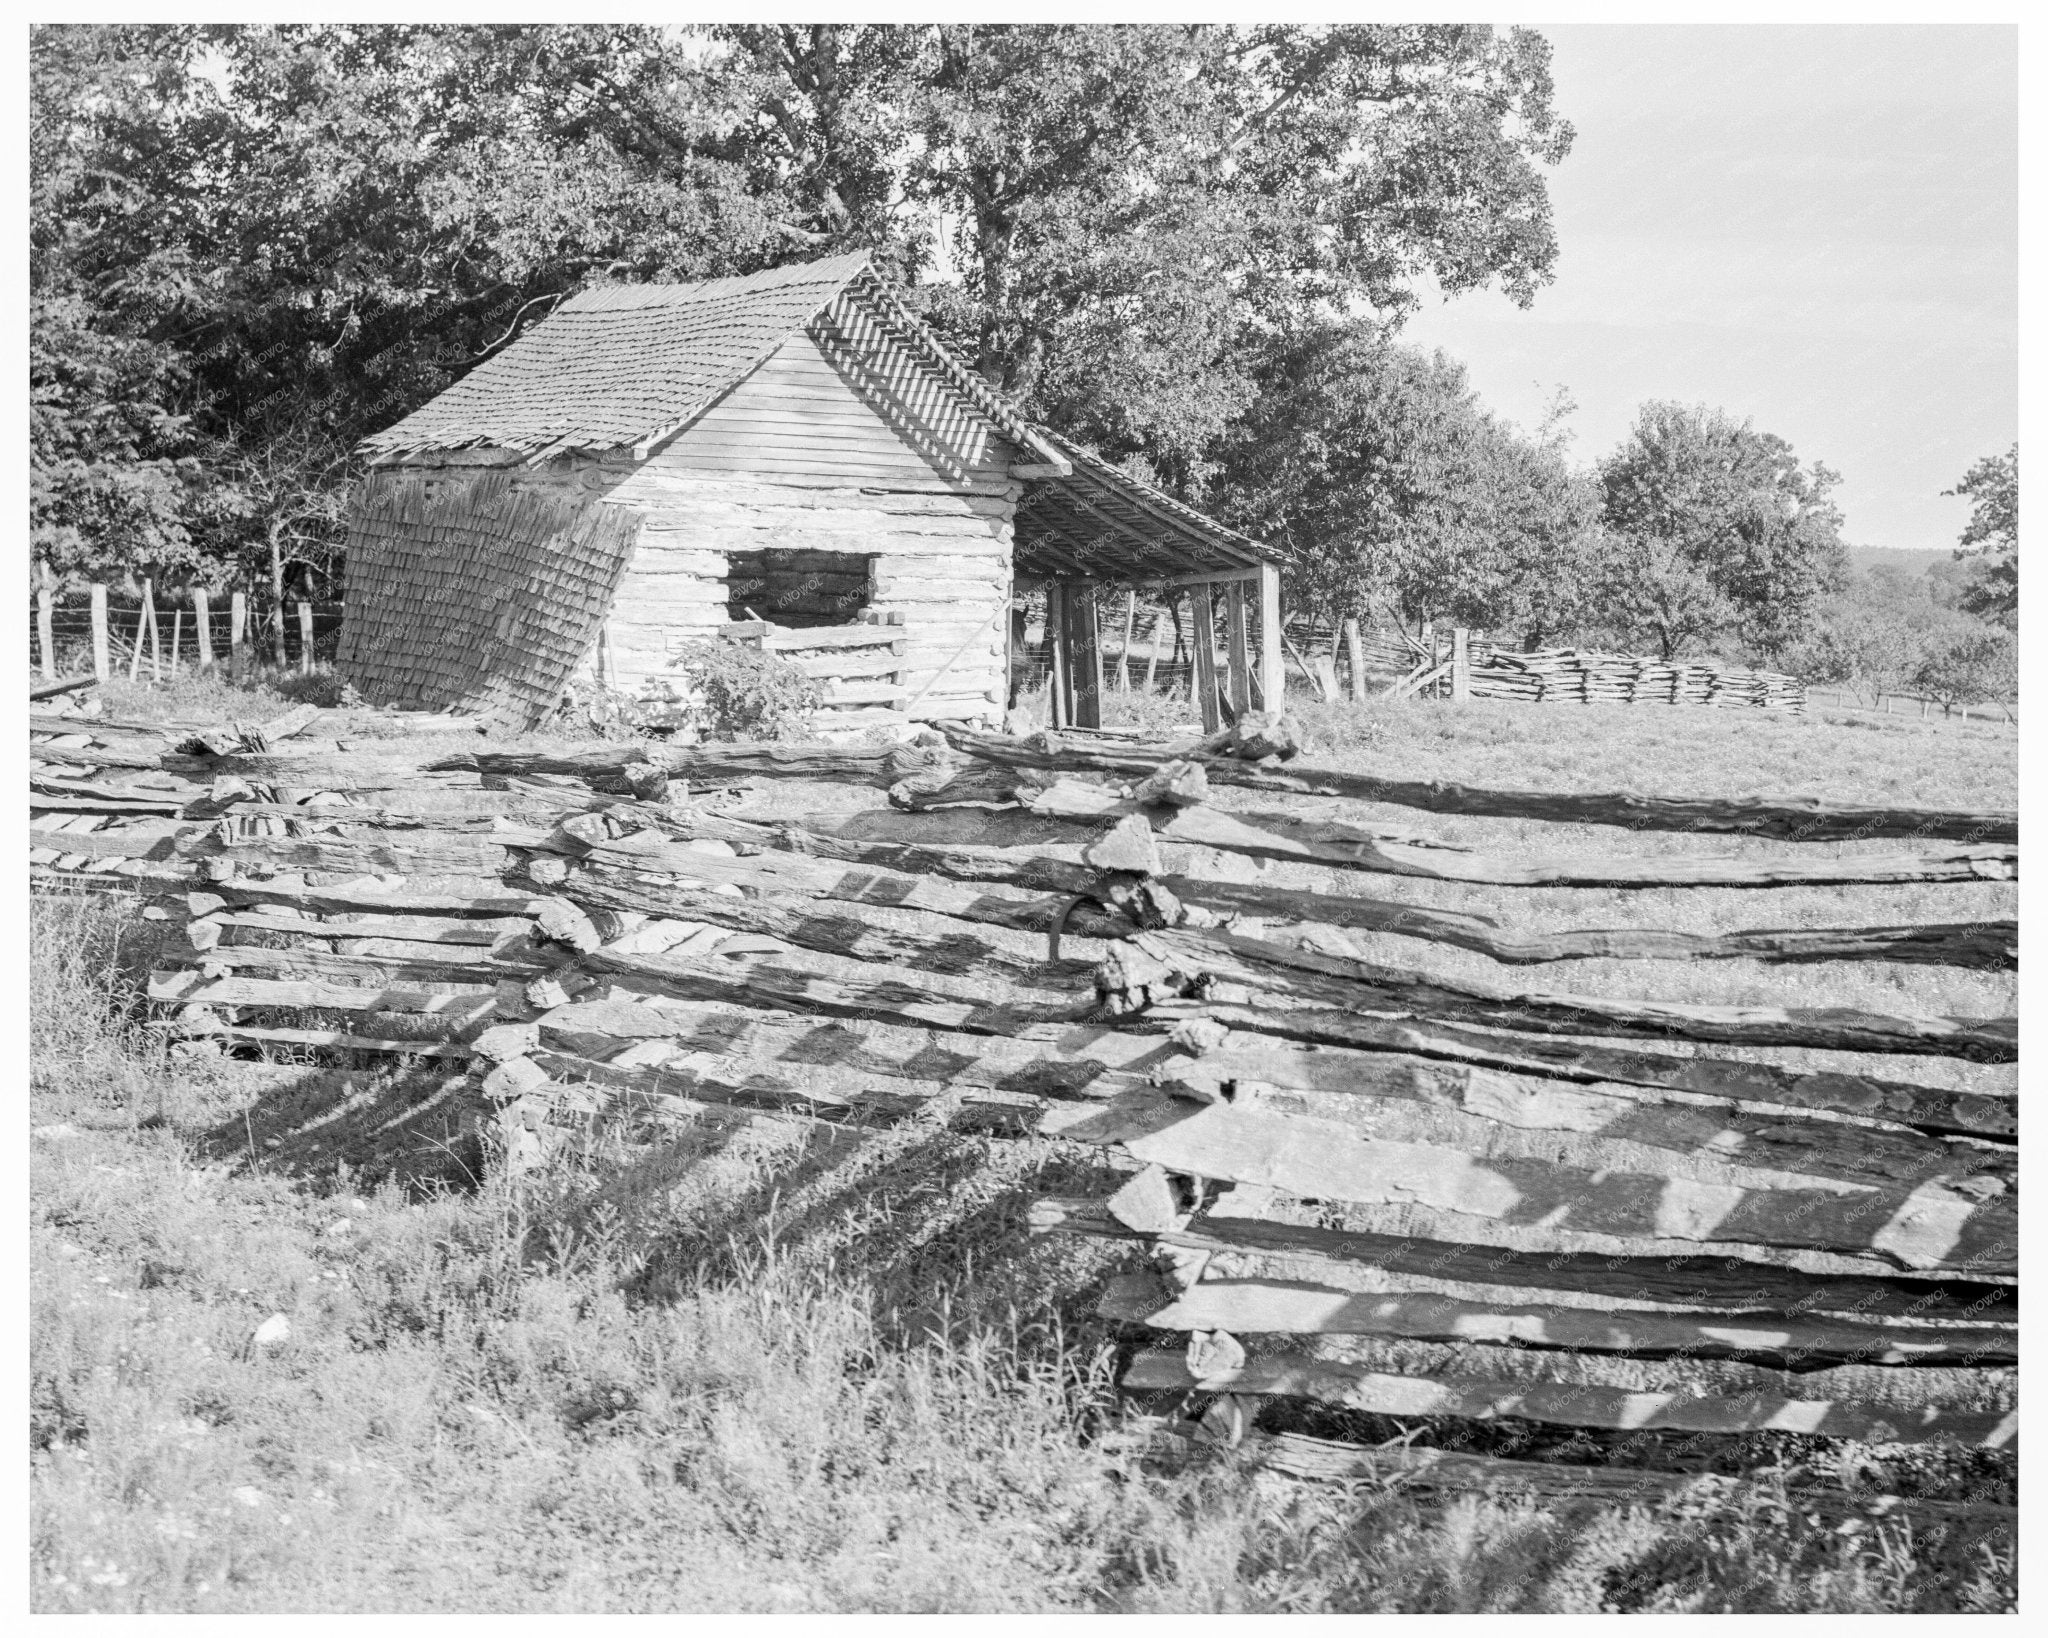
795 586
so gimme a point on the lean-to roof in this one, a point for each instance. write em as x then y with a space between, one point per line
1101 523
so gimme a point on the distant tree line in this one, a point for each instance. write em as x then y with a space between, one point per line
1190 247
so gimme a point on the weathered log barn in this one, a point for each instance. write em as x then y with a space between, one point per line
790 458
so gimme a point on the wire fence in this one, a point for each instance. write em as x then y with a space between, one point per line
168 639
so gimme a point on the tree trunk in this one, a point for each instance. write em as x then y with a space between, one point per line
277 592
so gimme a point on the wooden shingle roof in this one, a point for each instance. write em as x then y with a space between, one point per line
626 366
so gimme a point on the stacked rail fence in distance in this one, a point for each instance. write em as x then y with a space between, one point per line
1346 1183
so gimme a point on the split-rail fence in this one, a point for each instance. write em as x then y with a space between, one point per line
1362 1185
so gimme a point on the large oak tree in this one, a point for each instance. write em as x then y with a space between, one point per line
250 246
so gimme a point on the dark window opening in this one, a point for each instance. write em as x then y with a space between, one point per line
797 586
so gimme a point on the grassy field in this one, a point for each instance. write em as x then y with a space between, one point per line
807 1369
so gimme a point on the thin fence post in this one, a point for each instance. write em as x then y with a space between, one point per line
238 634
1461 663
156 640
1354 657
1152 664
202 617
46 632
141 630
177 634
100 666
305 635
1123 653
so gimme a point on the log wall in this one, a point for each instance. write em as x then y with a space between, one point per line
836 446
839 446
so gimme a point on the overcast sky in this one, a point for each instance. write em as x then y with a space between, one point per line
1812 227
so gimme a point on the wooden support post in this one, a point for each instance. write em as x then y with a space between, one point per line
1461 663
100 667
1123 654
202 619
156 640
1240 656
46 633
1354 657
1152 665
1203 642
177 634
1084 652
1272 655
305 635
238 635
1013 650
1056 638
141 630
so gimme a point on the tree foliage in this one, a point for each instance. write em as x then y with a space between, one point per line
1715 533
251 246
1378 469
1992 487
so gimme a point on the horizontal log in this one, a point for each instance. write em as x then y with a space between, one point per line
709 764
1575 1405
1040 1061
1993 944
867 693
787 984
334 1039
1525 1178
105 844
819 878
1279 836
1794 819
1578 1279
1015 867
847 663
1935 1109
709 1078
414 933
403 853
45 801
193 989
1182 961
488 967
804 639
1246 1307
490 901
63 685
1359 1085
809 926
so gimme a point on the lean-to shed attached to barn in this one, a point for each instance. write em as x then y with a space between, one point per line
789 458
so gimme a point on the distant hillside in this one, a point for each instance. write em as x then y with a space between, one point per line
1917 560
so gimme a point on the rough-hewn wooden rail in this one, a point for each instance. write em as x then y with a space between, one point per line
1791 819
1365 1185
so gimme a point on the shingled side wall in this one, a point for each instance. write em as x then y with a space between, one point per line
469 589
